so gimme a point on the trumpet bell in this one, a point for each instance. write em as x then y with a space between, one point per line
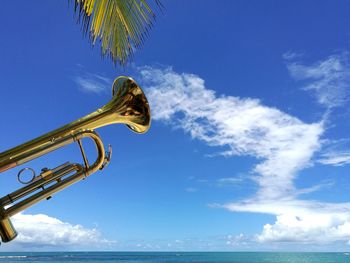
130 105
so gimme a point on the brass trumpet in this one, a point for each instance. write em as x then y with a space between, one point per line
128 106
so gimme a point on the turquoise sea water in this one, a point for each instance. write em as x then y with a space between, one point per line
175 257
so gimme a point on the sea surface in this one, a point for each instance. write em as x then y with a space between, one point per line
175 257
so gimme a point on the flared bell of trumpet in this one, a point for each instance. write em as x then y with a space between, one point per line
130 105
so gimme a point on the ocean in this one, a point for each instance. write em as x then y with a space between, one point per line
174 257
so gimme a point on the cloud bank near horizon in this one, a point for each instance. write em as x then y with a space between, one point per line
43 232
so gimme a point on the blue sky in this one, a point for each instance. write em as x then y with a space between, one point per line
248 148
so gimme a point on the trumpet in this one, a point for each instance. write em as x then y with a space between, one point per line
128 106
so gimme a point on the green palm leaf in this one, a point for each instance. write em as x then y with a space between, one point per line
120 25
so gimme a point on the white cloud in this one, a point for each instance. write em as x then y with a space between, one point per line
235 181
335 158
238 240
40 231
328 79
93 83
300 220
290 55
229 180
282 144
310 228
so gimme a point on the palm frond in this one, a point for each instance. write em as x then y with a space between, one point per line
120 25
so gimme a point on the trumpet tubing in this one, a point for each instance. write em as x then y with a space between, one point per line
128 106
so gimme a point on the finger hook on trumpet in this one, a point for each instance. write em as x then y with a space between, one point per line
20 174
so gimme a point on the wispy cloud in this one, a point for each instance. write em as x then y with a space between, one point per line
290 55
282 145
93 83
315 188
239 180
328 79
335 158
44 232
229 180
